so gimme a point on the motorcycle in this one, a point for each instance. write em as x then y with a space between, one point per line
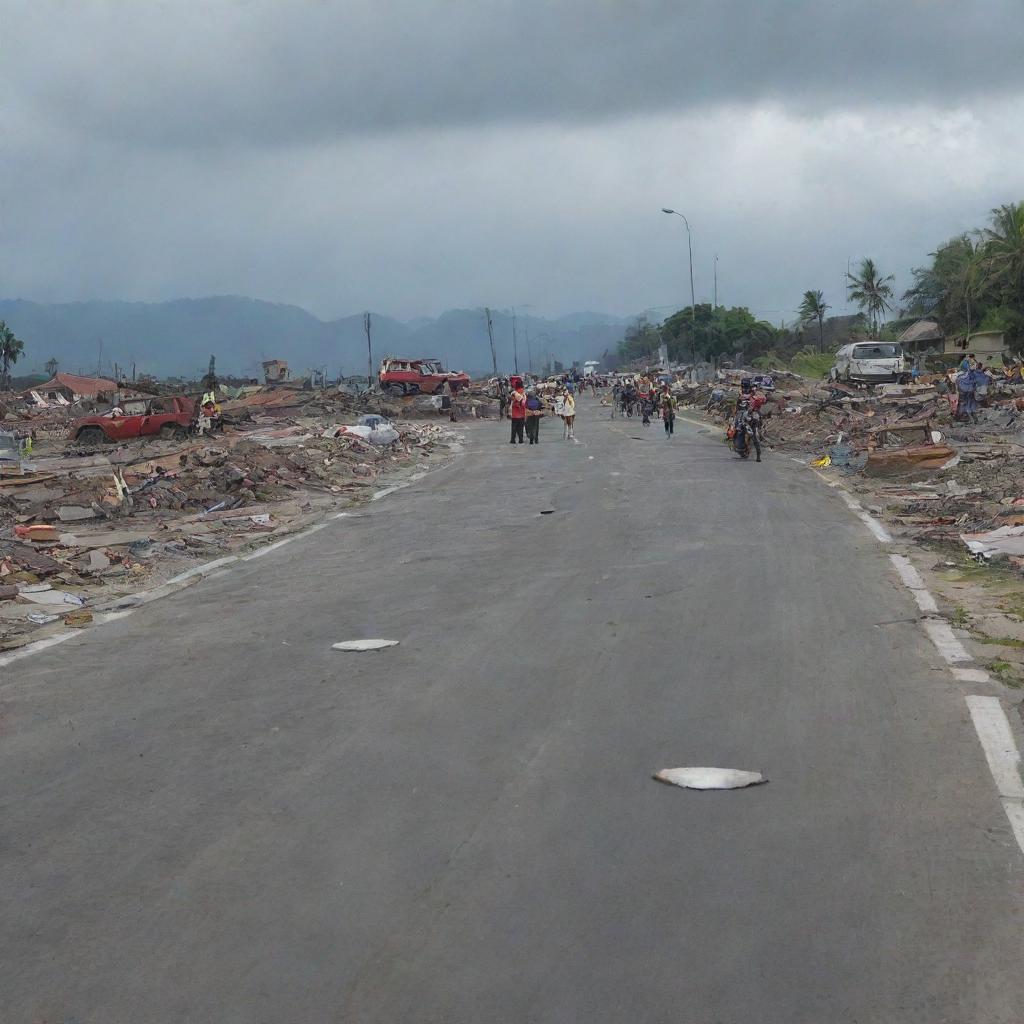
742 435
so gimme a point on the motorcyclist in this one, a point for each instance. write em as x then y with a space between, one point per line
629 398
644 396
746 428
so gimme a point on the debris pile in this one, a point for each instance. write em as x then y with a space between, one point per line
81 528
902 447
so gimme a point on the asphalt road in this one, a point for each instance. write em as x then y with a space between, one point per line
208 815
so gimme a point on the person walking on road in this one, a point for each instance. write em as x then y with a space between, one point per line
534 412
503 398
568 417
667 404
517 413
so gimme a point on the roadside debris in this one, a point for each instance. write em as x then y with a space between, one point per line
103 516
709 778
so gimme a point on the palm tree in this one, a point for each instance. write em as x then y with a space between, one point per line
871 292
10 349
1003 252
814 307
51 366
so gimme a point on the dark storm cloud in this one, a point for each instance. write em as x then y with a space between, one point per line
262 74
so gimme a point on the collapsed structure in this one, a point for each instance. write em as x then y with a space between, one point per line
89 516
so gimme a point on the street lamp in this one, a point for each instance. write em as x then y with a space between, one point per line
693 301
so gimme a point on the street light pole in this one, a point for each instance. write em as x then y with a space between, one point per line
693 300
515 343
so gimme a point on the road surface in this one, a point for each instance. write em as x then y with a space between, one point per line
208 815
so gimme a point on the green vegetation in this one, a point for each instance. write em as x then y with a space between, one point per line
975 281
814 307
704 332
999 641
959 616
872 292
806 361
10 350
1005 673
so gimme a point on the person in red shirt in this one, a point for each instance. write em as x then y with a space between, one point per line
517 413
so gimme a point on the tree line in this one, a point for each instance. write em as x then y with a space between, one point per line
974 282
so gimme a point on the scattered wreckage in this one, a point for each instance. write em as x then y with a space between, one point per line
901 446
167 417
399 377
85 527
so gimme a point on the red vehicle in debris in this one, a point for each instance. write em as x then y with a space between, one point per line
167 416
418 377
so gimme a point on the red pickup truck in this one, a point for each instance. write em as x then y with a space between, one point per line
418 377
168 416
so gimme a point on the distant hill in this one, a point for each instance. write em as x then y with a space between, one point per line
178 337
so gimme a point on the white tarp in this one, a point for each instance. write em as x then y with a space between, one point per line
1007 540
381 434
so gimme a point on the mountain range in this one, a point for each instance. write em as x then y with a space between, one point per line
177 338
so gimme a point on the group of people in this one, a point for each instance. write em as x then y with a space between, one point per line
967 387
641 397
526 408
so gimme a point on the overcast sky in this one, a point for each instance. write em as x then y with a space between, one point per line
409 156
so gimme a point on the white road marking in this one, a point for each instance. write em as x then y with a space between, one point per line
913 582
925 602
260 552
134 601
910 576
200 570
34 648
949 647
997 741
990 721
879 531
993 728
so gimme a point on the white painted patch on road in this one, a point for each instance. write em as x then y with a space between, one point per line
941 634
996 736
709 778
363 645
972 675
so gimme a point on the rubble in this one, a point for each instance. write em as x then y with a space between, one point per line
933 478
82 527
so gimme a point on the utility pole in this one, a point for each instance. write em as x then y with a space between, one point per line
369 351
490 338
716 281
515 344
693 300
529 351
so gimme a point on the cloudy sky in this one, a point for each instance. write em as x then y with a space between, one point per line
414 155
